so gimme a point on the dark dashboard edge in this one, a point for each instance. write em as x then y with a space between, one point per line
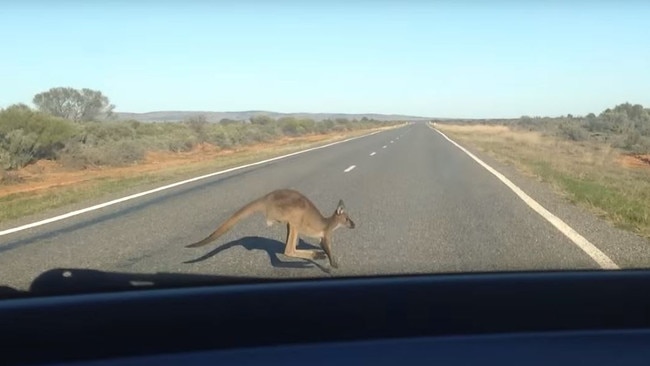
230 316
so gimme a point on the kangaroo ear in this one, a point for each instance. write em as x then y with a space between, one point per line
340 207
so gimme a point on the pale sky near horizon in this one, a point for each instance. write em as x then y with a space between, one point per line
473 59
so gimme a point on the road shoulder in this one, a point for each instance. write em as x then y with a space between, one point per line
626 249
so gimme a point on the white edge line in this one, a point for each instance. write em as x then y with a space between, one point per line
127 198
372 153
596 254
349 168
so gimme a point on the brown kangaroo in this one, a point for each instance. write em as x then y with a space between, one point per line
290 207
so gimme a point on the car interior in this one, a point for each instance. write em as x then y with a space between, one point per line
87 317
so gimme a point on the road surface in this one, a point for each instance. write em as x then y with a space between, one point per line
420 205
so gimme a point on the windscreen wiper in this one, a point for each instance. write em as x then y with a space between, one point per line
67 281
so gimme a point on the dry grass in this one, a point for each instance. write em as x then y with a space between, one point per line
591 174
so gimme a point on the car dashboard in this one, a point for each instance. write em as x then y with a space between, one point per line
511 318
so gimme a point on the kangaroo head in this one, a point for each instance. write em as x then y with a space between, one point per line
341 216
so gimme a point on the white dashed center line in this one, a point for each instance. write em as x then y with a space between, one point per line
349 168
372 153
391 141
383 147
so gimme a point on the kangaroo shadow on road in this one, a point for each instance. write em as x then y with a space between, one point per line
273 248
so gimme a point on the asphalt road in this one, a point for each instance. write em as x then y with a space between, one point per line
420 204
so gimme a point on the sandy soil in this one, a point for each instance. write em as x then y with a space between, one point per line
636 161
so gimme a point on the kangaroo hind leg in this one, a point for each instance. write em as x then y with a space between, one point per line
292 241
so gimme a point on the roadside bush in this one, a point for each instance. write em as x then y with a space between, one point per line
321 128
258 134
626 126
595 124
198 125
180 143
151 129
271 131
644 128
325 126
26 135
17 149
226 121
219 136
240 134
292 128
95 133
634 142
339 128
261 120
642 146
573 132
5 159
78 155
175 137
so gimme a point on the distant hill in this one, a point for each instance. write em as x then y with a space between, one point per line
175 116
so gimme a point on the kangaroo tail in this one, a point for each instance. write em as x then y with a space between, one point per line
252 207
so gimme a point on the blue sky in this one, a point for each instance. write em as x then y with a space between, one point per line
427 58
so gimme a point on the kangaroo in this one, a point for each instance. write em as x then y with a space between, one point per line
301 216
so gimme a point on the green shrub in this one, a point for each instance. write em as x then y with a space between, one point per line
199 126
181 143
636 143
96 133
27 135
18 149
79 155
573 132
220 137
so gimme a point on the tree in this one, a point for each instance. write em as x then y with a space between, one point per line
77 105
